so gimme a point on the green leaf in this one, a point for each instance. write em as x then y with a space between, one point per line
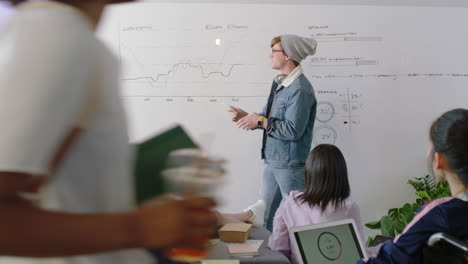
407 213
407 218
442 189
388 226
373 224
429 183
415 184
393 212
406 208
424 195
399 225
369 241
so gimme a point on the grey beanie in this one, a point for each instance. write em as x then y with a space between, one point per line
298 48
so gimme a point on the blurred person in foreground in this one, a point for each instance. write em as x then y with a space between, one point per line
66 188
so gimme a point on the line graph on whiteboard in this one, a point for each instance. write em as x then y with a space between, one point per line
204 61
180 67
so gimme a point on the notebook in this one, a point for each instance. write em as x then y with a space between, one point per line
333 242
248 248
151 157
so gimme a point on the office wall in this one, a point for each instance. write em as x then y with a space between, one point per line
381 76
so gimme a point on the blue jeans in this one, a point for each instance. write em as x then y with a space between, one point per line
277 183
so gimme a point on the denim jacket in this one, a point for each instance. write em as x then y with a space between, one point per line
290 125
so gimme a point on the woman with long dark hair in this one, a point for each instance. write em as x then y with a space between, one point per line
448 157
324 199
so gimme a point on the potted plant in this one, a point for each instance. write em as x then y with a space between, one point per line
397 218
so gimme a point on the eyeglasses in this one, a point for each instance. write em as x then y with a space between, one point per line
278 50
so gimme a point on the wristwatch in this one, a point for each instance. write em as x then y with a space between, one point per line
260 120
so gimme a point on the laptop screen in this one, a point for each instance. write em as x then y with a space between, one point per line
335 244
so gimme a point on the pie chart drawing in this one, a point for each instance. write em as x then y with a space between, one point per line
325 111
330 246
325 135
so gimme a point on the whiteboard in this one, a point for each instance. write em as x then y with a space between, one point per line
381 76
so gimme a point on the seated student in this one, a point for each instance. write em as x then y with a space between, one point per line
449 161
324 199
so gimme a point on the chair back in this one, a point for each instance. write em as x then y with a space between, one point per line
444 249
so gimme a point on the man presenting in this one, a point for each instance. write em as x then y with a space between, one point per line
287 121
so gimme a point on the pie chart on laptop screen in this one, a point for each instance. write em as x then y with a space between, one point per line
329 246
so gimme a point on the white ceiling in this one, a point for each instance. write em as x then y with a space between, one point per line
331 2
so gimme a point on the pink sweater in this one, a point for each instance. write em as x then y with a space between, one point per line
292 214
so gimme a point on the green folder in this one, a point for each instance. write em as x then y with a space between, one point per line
151 157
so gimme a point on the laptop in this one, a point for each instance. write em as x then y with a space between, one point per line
331 242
